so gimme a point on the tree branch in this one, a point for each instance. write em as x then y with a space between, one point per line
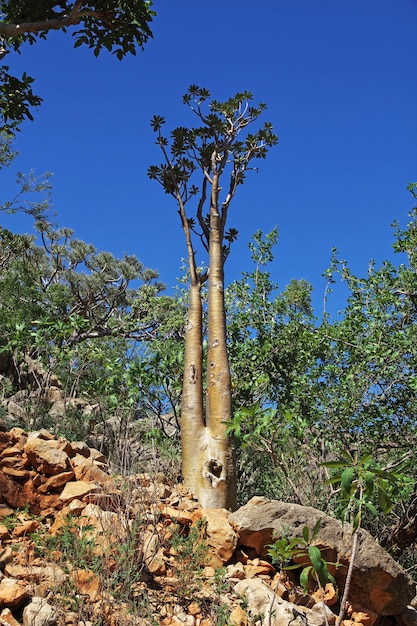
14 30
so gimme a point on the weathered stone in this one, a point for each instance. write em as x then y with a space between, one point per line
220 535
79 489
262 601
13 593
25 528
152 554
5 511
86 582
42 433
54 394
4 531
16 474
238 617
7 618
56 481
183 517
47 576
18 496
11 451
328 594
378 582
39 613
6 556
88 470
46 456
79 447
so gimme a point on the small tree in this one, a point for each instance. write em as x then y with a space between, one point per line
211 153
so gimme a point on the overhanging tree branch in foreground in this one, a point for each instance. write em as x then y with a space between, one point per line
119 26
216 154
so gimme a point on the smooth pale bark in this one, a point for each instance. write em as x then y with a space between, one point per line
192 417
208 464
220 464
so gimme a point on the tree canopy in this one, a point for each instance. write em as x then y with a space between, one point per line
120 27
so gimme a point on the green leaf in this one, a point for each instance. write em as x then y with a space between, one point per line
304 577
334 464
371 508
316 529
315 557
357 521
384 501
346 479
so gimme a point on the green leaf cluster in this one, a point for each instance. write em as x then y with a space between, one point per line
308 556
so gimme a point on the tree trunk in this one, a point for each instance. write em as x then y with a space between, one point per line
192 418
208 464
219 474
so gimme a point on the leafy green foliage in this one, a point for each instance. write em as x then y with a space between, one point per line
192 156
16 100
308 556
364 484
120 27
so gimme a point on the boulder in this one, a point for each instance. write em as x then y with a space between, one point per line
378 584
47 456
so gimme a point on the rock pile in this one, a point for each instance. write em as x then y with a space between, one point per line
79 547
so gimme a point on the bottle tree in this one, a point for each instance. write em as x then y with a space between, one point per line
202 168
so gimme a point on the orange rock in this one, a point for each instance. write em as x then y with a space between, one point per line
47 456
45 576
86 583
79 489
5 511
56 481
185 518
330 595
4 531
7 617
25 528
12 593
359 615
238 617
220 534
194 608
17 474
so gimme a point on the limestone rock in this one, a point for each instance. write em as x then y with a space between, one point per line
39 613
56 481
45 576
379 584
275 611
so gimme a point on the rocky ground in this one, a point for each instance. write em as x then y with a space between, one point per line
81 547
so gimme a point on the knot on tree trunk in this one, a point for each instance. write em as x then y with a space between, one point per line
213 471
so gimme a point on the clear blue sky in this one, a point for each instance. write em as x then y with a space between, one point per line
340 82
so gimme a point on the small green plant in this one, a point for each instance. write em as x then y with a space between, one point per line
76 544
284 550
191 552
364 485
220 610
